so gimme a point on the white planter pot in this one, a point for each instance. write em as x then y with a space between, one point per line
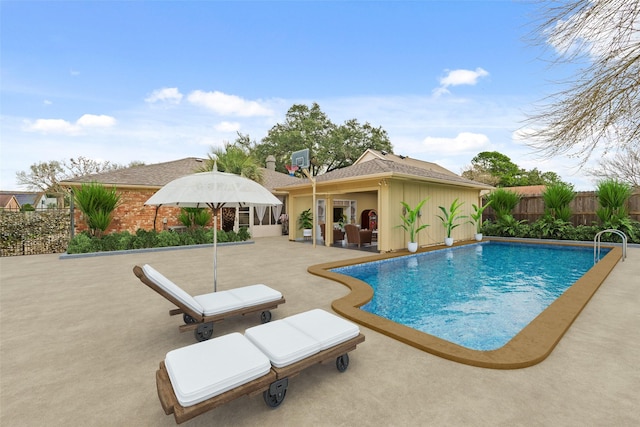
412 246
448 241
478 236
307 232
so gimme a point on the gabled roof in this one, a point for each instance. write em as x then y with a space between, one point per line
24 197
156 175
6 199
160 174
392 169
371 154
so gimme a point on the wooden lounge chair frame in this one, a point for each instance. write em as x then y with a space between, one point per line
273 385
203 325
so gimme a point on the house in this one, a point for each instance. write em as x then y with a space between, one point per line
369 193
136 184
38 200
9 202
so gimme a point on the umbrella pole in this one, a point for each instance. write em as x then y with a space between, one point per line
215 250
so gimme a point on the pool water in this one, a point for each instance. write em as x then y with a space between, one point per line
478 296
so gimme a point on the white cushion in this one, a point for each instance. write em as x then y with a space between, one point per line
201 371
256 294
233 299
171 288
326 328
219 302
282 343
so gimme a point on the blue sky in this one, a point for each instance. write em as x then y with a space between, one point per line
157 81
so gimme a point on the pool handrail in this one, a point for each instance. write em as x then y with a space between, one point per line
596 243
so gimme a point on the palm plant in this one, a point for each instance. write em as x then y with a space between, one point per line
476 215
97 204
556 198
503 202
450 217
613 196
191 217
410 220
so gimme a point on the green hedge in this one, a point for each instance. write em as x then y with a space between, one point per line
85 243
548 228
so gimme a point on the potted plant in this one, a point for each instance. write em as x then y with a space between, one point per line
449 219
410 223
305 223
476 218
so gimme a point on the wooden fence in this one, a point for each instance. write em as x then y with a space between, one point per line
583 207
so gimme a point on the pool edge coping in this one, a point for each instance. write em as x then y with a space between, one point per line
530 346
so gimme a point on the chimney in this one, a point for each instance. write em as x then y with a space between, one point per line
271 163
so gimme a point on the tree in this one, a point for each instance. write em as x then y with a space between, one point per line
623 166
600 106
46 176
235 158
494 168
331 147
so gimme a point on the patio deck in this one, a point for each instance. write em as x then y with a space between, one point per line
81 339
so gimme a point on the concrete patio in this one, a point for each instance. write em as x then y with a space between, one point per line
81 339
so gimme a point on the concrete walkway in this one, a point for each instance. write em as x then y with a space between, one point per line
81 339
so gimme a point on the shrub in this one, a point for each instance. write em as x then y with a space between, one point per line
503 202
97 204
556 201
191 217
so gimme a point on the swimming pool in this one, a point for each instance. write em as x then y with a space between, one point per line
529 346
478 296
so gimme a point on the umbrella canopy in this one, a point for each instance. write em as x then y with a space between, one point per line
215 190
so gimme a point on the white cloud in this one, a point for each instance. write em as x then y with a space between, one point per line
92 120
170 95
460 77
228 105
228 126
60 126
47 102
463 143
52 126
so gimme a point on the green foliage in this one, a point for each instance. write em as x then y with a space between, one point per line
27 207
476 215
236 158
191 217
410 220
612 197
143 239
331 146
305 220
450 217
494 168
548 227
503 201
556 199
97 204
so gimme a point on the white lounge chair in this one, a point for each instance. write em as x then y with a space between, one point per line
197 378
200 312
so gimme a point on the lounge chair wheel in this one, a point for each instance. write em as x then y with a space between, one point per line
188 319
276 393
265 317
204 331
342 362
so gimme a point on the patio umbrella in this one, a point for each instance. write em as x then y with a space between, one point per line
215 190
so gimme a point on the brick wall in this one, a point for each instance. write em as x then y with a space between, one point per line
132 214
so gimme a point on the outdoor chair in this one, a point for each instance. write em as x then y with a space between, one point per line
197 378
357 236
200 312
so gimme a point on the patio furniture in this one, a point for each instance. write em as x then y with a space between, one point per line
357 236
197 378
200 312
